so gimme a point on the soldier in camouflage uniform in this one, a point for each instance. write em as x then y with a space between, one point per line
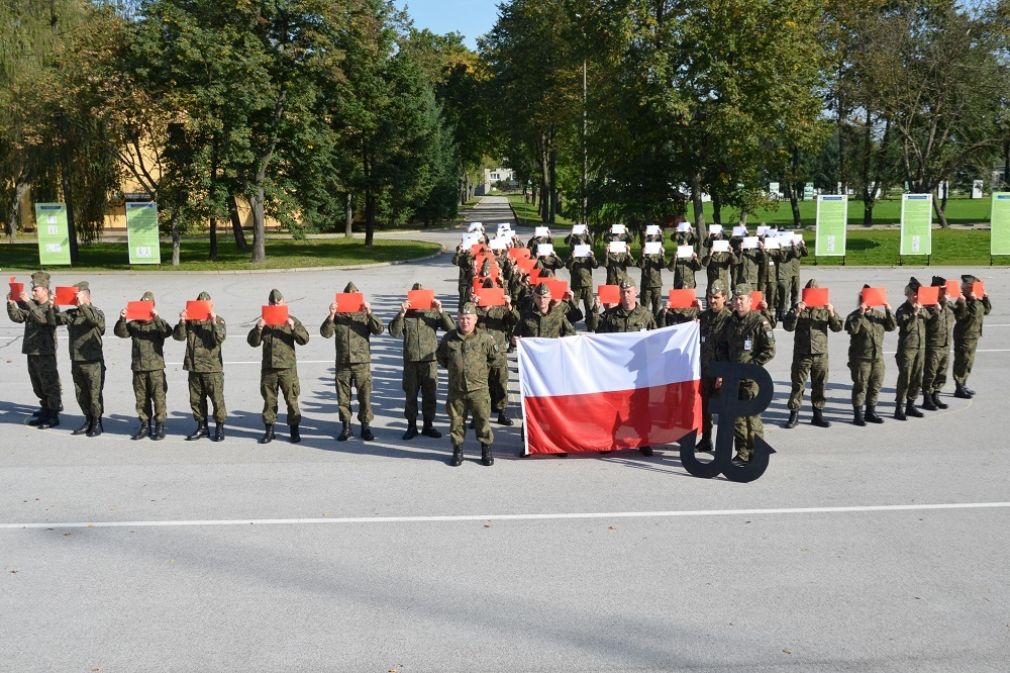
543 317
617 264
810 356
717 264
911 352
652 280
677 316
351 333
768 276
279 368
939 321
792 272
684 270
969 312
627 316
205 365
464 260
746 337
148 364
85 327
468 355
420 373
581 270
37 311
498 322
866 327
710 324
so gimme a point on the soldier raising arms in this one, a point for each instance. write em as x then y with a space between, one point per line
205 365
86 326
37 312
147 360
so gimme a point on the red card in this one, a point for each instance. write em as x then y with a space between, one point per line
478 283
874 296
349 302
558 287
275 315
609 294
66 295
756 297
953 288
928 296
534 276
16 287
978 289
421 300
519 253
491 296
682 298
478 249
815 297
139 310
197 310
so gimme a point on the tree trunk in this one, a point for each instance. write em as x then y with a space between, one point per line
939 206
716 209
14 214
258 203
348 216
868 212
236 224
370 200
68 197
792 192
553 163
743 218
176 239
699 206
212 255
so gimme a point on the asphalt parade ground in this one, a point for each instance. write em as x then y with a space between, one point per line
861 549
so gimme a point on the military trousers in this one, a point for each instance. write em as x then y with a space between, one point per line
909 375
498 383
204 386
793 285
476 403
867 377
45 378
964 358
652 299
358 375
285 380
771 291
814 367
934 371
746 428
420 377
89 382
584 295
149 390
782 304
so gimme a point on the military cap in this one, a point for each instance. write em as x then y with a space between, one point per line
487 283
203 296
543 290
717 287
742 289
627 283
938 281
83 285
811 283
351 287
147 296
416 286
40 279
468 308
968 278
275 296
913 285
866 286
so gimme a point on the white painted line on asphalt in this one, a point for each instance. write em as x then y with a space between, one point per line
979 350
561 516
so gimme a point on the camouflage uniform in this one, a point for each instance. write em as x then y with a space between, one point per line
581 270
617 267
768 279
718 266
39 345
420 372
792 272
205 365
968 315
676 316
85 328
279 369
530 322
683 272
652 281
464 260
910 356
147 361
711 323
810 355
939 321
866 357
498 322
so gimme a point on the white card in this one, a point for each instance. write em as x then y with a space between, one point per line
504 227
739 231
720 246
470 240
617 247
476 226
685 251
653 230
750 243
763 230
653 248
582 250
684 227
579 230
618 229
772 243
498 243
542 232
715 228
545 249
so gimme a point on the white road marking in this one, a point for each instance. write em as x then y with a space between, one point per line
561 516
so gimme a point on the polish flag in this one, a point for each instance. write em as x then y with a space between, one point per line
597 392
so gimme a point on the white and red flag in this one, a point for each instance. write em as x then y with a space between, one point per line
596 392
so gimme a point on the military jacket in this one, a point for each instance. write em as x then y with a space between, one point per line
617 266
676 316
939 321
749 268
581 269
497 321
683 272
968 315
811 326
710 325
468 358
351 332
652 270
550 263
555 323
203 344
786 258
911 329
718 265
418 329
148 345
749 339
85 327
619 319
464 260
867 333
40 326
792 259
278 343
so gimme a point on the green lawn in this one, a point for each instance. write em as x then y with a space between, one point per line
281 254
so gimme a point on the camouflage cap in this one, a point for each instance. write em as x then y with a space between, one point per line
40 279
203 296
717 287
147 296
627 283
275 296
811 283
82 285
938 281
543 290
468 308
351 287
416 286
742 290
968 278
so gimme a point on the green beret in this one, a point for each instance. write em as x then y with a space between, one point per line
742 289
717 287
627 283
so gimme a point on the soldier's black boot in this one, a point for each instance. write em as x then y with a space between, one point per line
872 416
142 431
96 426
899 411
794 419
645 450
366 432
158 433
940 404
857 416
51 420
85 428
429 430
201 431
819 419
486 457
960 392
219 432
38 412
966 389
503 418
457 456
927 402
910 410
411 430
296 435
268 434
345 433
